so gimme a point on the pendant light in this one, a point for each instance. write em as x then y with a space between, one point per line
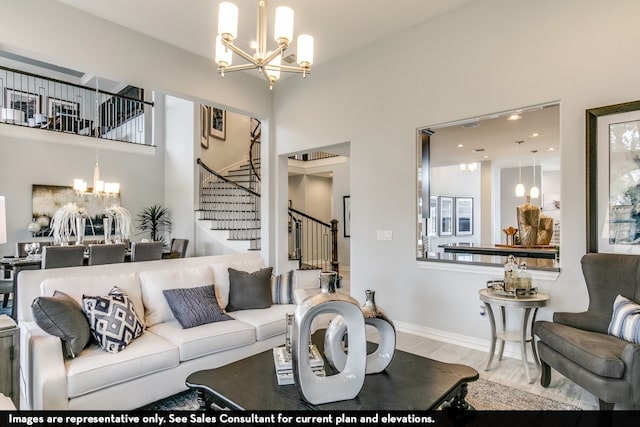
520 186
535 191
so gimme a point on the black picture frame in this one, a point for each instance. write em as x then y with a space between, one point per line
204 126
593 146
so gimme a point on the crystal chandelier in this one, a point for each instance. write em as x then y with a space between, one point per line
268 62
100 188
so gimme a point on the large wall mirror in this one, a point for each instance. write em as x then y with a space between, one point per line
468 203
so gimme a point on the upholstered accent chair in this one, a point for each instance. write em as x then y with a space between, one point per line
579 346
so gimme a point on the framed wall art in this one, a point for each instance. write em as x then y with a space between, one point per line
57 107
204 126
218 123
464 216
28 103
613 178
446 215
432 220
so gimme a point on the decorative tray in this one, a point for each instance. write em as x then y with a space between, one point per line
496 287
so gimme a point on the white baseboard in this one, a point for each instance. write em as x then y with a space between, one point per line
511 349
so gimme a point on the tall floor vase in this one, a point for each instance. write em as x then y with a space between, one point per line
336 335
346 384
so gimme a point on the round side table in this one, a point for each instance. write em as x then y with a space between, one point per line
529 305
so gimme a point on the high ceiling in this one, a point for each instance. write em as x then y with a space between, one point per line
338 26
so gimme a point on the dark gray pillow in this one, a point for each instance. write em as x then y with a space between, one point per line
195 306
249 290
62 316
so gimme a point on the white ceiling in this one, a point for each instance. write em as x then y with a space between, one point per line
338 26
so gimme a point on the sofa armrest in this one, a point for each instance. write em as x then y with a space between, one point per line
586 320
631 358
42 369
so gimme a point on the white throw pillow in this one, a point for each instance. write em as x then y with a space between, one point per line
157 309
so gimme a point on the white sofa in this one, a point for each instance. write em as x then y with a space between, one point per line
156 364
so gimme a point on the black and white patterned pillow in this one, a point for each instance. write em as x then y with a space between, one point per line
112 319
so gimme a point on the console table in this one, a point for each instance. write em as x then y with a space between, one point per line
529 305
10 356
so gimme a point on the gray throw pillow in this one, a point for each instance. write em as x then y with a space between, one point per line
62 316
195 306
249 290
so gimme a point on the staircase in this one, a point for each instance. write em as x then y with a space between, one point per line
229 212
229 204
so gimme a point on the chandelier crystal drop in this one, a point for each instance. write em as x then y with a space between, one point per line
267 62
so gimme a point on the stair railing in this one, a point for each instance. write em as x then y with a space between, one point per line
312 242
229 205
254 154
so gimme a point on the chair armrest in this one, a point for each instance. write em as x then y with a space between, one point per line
586 320
631 358
42 369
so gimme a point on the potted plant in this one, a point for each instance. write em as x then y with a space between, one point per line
155 220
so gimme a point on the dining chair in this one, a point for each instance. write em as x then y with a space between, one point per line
6 288
106 254
146 251
179 248
62 256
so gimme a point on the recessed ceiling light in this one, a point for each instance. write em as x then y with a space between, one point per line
551 149
485 157
535 135
460 145
514 116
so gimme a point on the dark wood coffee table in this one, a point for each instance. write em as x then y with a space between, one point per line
410 382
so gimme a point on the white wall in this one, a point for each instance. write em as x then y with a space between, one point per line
222 154
491 56
66 37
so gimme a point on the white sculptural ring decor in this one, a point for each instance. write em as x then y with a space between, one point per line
346 384
373 316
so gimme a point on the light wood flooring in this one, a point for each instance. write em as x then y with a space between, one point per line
508 371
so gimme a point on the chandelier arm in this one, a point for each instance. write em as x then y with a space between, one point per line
292 69
237 68
240 52
266 76
274 54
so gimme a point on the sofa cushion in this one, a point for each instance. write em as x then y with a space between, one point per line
97 369
195 306
221 276
205 339
77 286
268 322
625 321
62 316
597 352
157 309
282 288
249 290
112 319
